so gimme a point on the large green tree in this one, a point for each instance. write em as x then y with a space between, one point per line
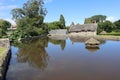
95 18
30 9
108 26
62 21
54 25
98 18
30 17
57 24
105 26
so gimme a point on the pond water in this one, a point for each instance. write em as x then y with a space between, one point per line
50 59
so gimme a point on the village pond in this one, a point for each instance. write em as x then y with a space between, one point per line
50 59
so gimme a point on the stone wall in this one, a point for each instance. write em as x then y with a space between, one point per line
4 58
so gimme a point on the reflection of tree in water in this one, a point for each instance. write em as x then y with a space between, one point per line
34 53
62 43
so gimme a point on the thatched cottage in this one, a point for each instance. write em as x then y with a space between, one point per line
85 29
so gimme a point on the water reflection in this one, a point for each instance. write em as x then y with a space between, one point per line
62 43
92 49
69 62
75 39
82 39
34 53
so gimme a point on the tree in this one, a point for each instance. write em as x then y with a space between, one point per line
31 9
17 14
98 18
3 27
62 22
117 24
57 24
100 27
54 25
30 18
95 18
105 26
4 24
87 21
108 26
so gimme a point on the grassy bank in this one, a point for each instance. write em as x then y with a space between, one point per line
1 51
113 33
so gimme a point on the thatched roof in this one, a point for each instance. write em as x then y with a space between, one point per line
92 41
84 27
58 32
103 32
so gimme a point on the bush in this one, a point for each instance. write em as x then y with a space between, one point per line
106 26
18 34
2 33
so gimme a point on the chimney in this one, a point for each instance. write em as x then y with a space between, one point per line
94 22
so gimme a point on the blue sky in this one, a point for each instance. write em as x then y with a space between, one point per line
73 10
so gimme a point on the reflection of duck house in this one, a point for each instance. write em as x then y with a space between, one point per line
92 49
92 43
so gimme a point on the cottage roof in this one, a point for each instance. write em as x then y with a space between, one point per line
84 27
58 31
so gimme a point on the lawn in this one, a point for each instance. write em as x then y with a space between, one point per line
1 50
113 33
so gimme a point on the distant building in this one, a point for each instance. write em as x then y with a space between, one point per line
14 27
85 29
58 32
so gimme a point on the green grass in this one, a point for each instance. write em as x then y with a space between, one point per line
113 33
1 51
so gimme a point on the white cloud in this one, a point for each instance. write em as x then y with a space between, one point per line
48 1
8 7
10 20
112 19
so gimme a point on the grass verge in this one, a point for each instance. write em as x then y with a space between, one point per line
113 33
1 51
